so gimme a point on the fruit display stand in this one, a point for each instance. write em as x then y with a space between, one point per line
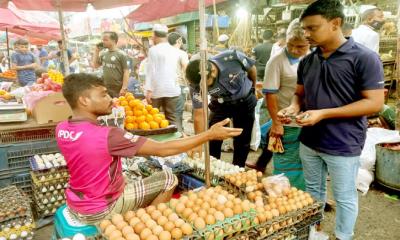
16 221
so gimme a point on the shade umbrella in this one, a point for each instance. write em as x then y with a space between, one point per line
68 5
156 9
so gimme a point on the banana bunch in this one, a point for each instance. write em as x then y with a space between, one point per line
275 145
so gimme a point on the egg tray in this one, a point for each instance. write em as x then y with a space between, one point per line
35 168
51 178
10 199
287 220
201 175
235 190
7 234
41 212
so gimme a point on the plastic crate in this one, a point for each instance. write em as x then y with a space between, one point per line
20 180
16 156
27 135
302 229
187 182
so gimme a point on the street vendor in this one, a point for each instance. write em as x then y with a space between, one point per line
97 188
338 85
279 86
231 78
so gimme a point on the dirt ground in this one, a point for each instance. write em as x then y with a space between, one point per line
378 219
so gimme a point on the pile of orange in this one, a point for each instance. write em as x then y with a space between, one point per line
141 116
11 74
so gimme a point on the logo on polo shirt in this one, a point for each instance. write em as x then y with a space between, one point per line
131 137
69 135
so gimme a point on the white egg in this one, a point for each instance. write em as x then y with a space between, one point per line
79 236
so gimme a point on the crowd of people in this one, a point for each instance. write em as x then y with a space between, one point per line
319 74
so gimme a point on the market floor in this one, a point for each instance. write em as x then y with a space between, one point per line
378 219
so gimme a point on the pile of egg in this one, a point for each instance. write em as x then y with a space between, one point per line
150 223
50 160
250 179
218 167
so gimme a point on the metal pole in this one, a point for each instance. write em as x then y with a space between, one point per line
204 90
8 50
215 25
398 69
64 52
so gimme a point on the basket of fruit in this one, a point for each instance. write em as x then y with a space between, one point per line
141 119
9 75
6 96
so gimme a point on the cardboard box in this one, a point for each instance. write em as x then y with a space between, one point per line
53 108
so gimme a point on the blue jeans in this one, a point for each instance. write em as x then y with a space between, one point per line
180 108
343 173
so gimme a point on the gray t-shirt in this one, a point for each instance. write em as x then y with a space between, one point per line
114 64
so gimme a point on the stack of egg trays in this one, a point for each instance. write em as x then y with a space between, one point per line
49 184
287 220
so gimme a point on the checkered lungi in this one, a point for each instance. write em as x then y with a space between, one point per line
137 194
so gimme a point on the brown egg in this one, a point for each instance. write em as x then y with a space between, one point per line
145 233
228 212
251 196
210 220
121 225
169 226
117 218
183 199
196 208
162 220
245 206
237 201
167 212
173 202
268 215
211 211
156 214
192 197
237 209
180 207
173 217
127 230
145 217
134 221
104 224
115 234
186 213
199 223
140 212
150 224
176 233
152 237
198 202
109 229
161 207
157 230
128 215
228 204
186 229
150 209
275 212
165 235
282 210
139 228
202 213
189 204
132 236
261 217
213 203
179 222
192 217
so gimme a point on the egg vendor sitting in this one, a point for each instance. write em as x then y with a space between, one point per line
97 188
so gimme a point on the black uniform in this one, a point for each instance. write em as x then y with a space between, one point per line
232 96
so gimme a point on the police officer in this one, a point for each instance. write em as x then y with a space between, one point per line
231 79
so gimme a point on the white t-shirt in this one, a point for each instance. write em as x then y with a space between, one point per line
281 78
161 74
366 36
276 49
184 60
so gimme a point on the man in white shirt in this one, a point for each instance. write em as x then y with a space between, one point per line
176 40
161 85
366 34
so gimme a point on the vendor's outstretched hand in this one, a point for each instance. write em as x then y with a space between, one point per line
219 132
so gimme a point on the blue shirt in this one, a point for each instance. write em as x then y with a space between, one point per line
43 53
335 82
232 82
25 76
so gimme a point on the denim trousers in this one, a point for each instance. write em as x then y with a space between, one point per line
180 107
343 174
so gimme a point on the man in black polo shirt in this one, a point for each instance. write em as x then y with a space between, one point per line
339 83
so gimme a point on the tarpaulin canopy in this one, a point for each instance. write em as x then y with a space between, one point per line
156 9
69 5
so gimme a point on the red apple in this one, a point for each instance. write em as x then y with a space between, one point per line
45 75
40 80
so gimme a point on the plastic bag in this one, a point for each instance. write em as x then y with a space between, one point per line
6 86
32 98
256 131
276 185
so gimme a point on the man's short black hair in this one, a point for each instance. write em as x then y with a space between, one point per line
328 9
75 84
113 35
21 42
193 74
267 35
160 34
174 37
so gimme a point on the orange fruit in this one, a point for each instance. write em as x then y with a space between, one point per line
129 126
130 98
149 107
149 118
128 94
122 98
129 113
154 111
137 113
129 119
164 123
140 119
144 111
127 108
162 116
135 125
157 119
144 126
132 103
124 103
140 106
154 125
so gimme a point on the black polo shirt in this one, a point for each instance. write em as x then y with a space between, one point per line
334 82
